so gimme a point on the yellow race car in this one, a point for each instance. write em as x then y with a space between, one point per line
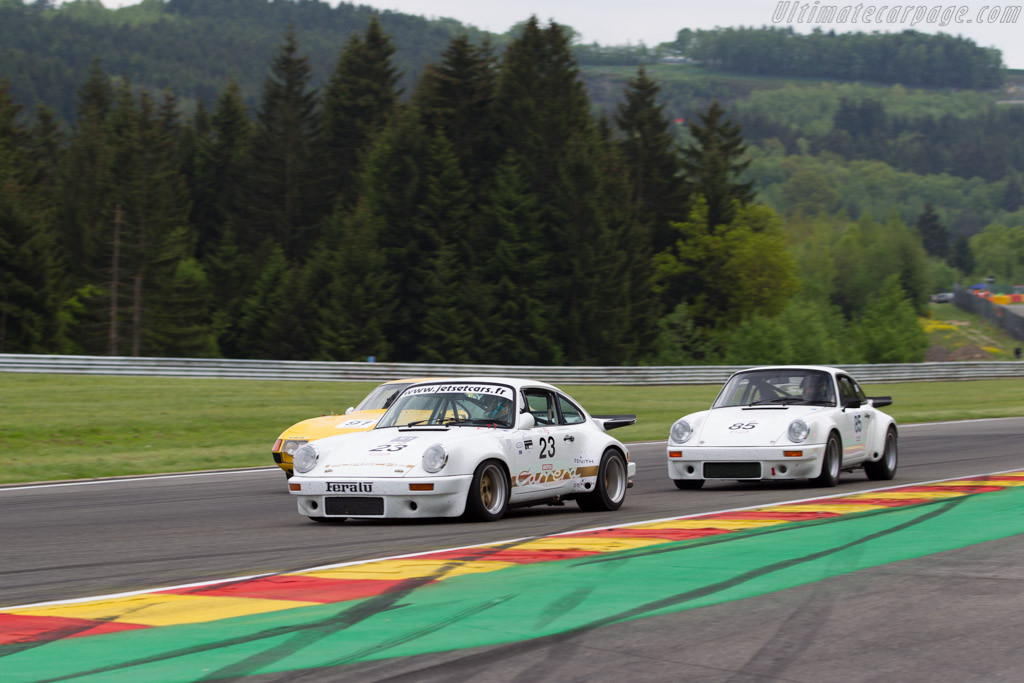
358 419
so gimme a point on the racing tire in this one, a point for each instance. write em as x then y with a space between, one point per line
612 482
488 493
831 464
885 468
329 520
688 484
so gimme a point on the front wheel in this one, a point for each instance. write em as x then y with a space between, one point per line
830 464
612 482
488 492
886 467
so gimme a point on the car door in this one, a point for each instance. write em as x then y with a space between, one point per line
548 448
854 423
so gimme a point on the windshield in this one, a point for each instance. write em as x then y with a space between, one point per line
382 397
778 387
468 404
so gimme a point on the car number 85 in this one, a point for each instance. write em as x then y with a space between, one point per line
743 425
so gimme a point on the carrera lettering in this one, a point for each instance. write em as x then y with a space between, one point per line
349 487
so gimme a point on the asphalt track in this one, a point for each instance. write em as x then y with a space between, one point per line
936 595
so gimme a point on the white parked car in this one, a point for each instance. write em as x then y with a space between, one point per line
473 446
792 422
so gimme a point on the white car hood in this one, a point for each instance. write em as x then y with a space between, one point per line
388 452
751 427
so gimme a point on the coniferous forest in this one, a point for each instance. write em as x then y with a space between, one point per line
480 211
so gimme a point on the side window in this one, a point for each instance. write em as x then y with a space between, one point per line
847 389
571 415
542 404
857 391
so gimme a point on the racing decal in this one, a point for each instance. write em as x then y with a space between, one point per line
550 475
396 444
350 487
547 447
489 389
355 424
744 426
528 444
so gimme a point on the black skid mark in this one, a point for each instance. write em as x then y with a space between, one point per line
310 633
940 509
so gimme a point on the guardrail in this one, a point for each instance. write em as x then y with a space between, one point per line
321 371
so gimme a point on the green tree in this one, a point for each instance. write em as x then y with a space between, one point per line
934 236
357 102
652 159
713 163
28 272
285 197
456 99
889 330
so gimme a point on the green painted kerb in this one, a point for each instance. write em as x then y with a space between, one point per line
526 601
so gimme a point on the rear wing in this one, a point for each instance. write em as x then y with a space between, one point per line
607 422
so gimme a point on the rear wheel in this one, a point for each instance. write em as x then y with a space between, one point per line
612 482
830 464
886 467
684 484
488 492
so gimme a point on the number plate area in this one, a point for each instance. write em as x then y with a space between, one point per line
353 505
732 470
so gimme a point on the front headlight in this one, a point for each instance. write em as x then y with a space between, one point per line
292 445
435 458
681 432
305 458
798 431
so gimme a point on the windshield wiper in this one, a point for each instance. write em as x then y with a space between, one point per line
779 399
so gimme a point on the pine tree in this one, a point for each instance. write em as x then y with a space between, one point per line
358 100
222 164
712 164
28 271
934 236
284 190
456 99
655 170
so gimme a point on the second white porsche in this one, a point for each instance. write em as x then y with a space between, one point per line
785 422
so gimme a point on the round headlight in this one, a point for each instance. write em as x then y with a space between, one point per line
435 458
292 445
798 431
681 431
305 458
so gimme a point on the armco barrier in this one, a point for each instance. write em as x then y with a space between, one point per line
377 372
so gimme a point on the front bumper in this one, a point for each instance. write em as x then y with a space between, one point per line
381 498
741 463
283 460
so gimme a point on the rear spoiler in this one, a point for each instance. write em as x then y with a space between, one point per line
607 422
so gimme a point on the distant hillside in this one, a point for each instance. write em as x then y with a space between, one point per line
191 47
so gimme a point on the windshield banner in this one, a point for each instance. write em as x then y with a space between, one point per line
489 389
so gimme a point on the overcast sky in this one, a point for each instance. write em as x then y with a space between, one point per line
617 22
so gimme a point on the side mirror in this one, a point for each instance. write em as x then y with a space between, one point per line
526 421
851 403
880 401
350 409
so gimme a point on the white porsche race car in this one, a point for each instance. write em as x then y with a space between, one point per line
792 422
473 446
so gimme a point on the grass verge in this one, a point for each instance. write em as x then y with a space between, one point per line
81 426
